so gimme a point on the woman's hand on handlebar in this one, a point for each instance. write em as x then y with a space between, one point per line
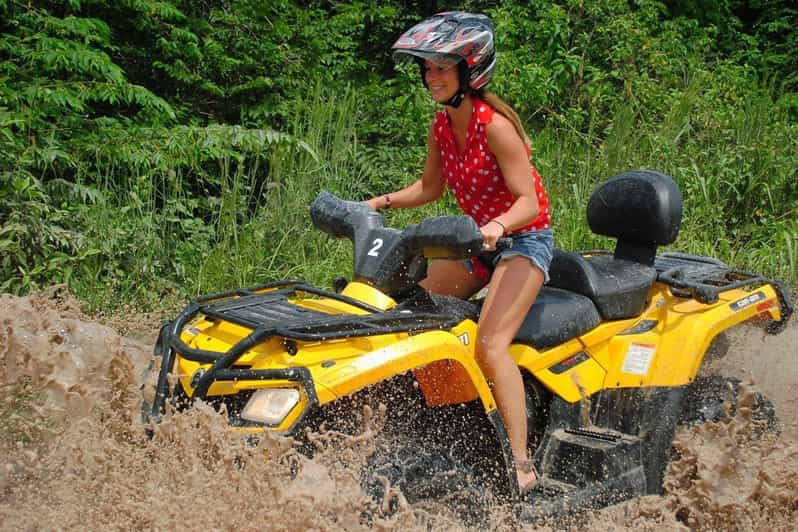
491 233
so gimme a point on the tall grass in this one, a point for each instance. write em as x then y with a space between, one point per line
278 240
736 171
171 199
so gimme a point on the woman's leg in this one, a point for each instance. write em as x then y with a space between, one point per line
451 278
512 290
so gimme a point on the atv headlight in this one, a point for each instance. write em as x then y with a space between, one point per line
270 405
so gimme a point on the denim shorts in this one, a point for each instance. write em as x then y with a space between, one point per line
537 246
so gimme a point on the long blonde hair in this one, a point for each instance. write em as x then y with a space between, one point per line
504 109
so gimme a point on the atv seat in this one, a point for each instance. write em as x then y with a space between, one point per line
643 210
556 317
618 287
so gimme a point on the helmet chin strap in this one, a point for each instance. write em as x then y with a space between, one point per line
457 99
462 75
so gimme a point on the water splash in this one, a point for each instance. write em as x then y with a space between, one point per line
75 455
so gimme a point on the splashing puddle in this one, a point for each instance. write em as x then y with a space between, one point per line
75 455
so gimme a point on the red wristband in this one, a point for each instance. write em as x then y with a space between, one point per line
387 201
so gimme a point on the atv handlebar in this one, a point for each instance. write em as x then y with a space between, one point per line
504 243
339 217
392 259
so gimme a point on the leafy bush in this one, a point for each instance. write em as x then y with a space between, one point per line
163 147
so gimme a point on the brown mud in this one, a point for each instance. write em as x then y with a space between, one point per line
74 455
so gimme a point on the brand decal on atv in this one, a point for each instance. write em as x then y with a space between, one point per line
568 363
464 338
747 301
638 359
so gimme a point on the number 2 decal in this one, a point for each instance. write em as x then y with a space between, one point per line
377 245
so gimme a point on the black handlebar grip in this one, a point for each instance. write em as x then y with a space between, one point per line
504 243
340 217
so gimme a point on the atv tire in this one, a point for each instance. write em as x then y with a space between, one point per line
423 473
718 348
538 400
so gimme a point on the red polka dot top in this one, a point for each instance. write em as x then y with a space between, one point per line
474 176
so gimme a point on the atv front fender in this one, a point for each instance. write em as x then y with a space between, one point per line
420 352
413 352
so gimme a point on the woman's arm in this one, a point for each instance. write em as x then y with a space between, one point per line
511 154
425 190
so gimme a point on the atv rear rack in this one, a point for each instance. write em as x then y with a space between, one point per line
704 279
267 311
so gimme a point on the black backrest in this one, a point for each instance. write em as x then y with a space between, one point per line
641 208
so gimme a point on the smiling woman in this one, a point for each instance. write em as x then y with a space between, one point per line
478 149
441 79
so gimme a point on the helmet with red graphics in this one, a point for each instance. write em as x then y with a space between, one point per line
452 37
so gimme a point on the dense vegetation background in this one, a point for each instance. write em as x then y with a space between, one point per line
158 149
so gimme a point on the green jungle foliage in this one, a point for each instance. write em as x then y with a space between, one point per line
159 149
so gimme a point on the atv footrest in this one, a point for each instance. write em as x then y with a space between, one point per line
606 436
549 487
581 456
583 469
555 499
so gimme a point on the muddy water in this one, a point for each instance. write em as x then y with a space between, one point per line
73 454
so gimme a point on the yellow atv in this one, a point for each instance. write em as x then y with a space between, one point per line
608 352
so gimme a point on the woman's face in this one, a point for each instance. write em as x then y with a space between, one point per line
442 80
